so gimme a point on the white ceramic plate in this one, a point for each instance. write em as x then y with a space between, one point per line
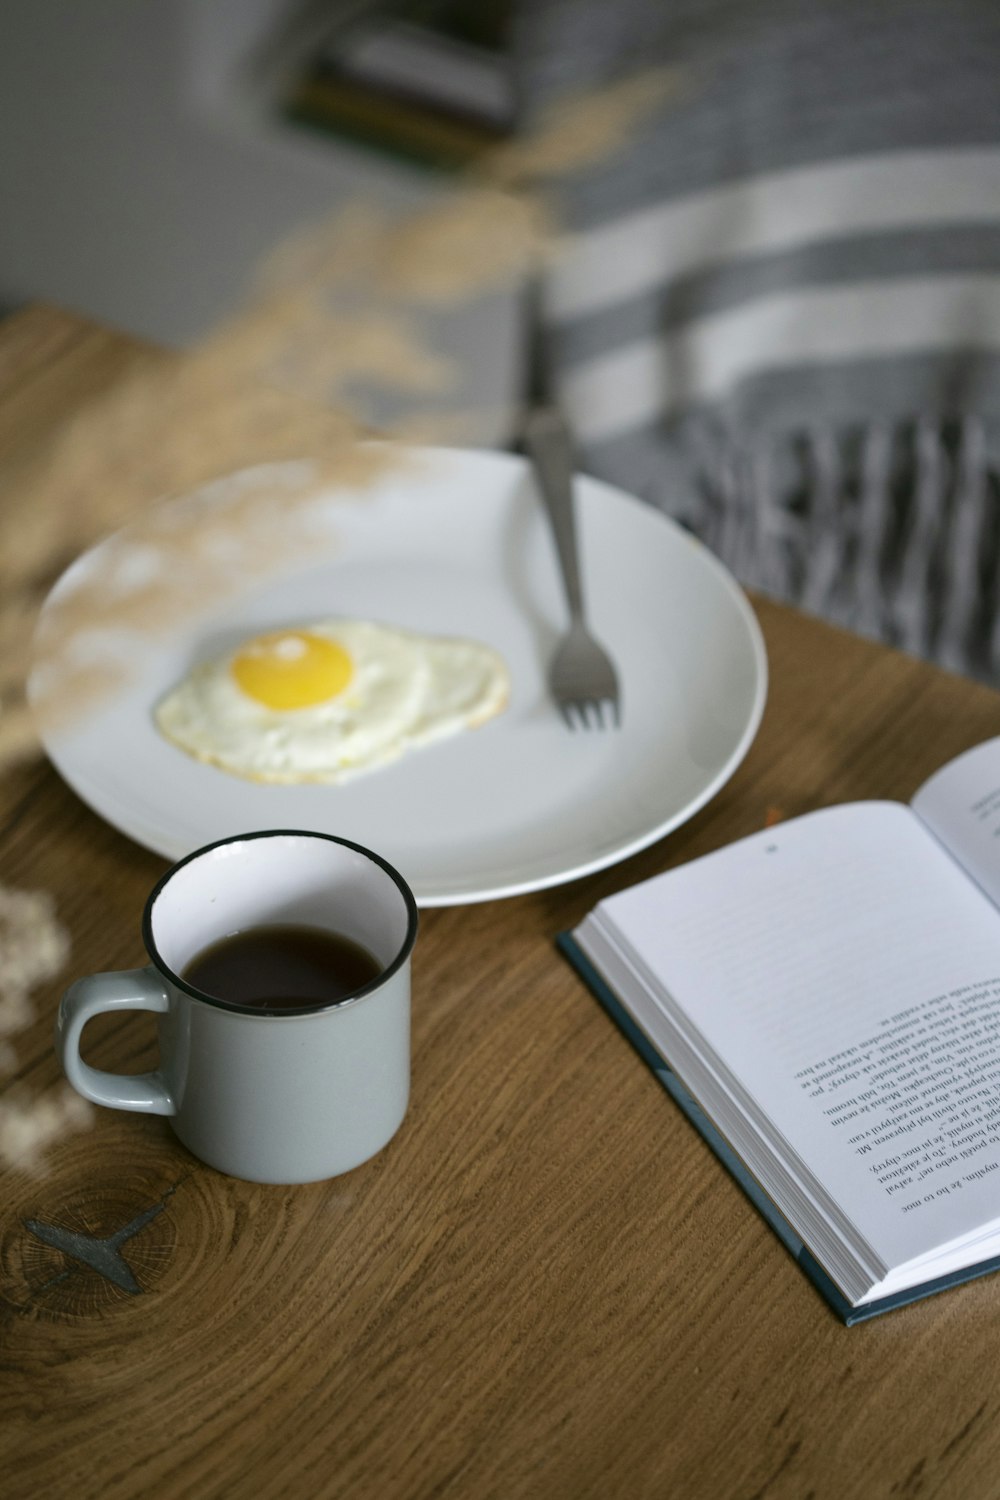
462 548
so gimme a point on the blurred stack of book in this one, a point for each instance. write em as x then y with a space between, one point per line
429 81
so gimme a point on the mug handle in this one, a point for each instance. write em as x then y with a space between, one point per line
125 989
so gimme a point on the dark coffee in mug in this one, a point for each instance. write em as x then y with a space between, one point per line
282 968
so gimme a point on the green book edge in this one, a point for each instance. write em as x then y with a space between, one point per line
733 1164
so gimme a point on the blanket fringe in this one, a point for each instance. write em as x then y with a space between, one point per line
889 530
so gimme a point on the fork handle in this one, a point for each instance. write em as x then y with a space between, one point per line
547 440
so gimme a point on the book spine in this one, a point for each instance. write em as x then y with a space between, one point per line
716 1142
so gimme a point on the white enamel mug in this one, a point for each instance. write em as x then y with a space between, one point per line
290 1095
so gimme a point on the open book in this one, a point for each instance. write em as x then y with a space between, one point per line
823 999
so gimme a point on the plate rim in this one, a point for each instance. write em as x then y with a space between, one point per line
578 869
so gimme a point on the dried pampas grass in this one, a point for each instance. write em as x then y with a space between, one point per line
30 1124
585 129
34 947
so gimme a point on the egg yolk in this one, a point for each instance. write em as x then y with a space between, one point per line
291 669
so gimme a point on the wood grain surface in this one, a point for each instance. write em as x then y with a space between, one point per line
546 1286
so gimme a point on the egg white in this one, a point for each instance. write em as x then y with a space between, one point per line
405 690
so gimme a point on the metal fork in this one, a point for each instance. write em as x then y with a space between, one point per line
582 677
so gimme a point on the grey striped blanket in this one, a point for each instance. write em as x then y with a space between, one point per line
778 317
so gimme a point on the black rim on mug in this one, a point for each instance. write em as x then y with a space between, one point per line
381 977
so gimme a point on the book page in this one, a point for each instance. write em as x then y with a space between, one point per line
847 974
960 803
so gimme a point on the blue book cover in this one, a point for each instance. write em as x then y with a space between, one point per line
843 1309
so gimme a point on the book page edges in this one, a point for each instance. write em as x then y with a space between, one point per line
843 1309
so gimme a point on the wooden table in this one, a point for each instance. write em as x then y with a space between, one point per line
546 1285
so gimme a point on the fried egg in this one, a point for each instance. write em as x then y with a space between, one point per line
330 699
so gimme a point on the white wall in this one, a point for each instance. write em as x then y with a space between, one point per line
136 186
